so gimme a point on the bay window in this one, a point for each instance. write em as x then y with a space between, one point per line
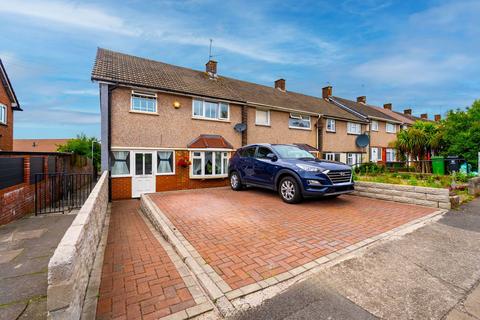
202 109
144 102
209 164
120 163
298 121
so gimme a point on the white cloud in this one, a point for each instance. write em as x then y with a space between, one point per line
82 92
412 69
68 13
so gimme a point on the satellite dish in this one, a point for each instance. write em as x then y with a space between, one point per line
363 140
240 127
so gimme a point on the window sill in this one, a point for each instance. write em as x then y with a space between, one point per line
3 124
165 174
208 119
145 112
121 176
262 125
330 131
297 128
223 176
354 134
391 132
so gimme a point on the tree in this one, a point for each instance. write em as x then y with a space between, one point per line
418 141
82 145
459 133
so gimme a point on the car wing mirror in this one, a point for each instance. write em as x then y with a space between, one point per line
272 157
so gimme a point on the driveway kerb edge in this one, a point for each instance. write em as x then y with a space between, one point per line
202 303
161 223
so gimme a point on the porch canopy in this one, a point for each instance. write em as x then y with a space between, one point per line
209 141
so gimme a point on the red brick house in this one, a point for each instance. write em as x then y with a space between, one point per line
8 104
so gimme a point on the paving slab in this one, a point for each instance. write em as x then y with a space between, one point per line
26 246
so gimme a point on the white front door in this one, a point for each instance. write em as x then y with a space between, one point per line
374 155
143 180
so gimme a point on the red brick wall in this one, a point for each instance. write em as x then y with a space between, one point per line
6 131
19 200
122 187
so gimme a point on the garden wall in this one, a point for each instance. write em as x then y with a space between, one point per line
70 266
474 186
17 178
429 197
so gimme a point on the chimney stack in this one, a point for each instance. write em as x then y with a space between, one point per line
326 92
280 84
438 117
407 111
362 99
211 68
387 106
424 116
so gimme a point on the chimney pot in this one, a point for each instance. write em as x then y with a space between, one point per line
424 116
387 106
280 84
326 92
438 117
362 99
211 68
407 111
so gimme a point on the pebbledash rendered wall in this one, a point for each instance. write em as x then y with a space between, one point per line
423 196
70 266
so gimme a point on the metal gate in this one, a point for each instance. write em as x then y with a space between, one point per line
61 192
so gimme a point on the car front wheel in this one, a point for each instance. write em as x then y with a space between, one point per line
289 190
235 182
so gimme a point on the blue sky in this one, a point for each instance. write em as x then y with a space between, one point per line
418 54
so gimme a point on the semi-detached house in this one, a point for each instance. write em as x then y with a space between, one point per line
166 127
8 104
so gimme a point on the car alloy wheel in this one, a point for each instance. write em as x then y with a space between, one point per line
288 190
234 181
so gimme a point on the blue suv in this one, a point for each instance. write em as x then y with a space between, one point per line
293 172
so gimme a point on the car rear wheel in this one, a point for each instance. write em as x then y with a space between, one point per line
235 182
289 190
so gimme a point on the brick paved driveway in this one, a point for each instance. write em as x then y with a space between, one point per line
139 280
252 235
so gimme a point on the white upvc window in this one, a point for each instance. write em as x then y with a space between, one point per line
354 158
3 114
330 156
375 154
165 162
203 109
391 155
120 163
354 128
374 125
262 117
209 164
391 127
331 125
299 121
144 102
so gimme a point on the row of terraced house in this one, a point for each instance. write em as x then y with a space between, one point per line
166 127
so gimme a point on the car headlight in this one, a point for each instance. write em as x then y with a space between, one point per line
310 168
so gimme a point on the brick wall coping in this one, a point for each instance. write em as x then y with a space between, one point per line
70 266
21 153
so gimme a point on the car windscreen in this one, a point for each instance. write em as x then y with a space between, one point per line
292 152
